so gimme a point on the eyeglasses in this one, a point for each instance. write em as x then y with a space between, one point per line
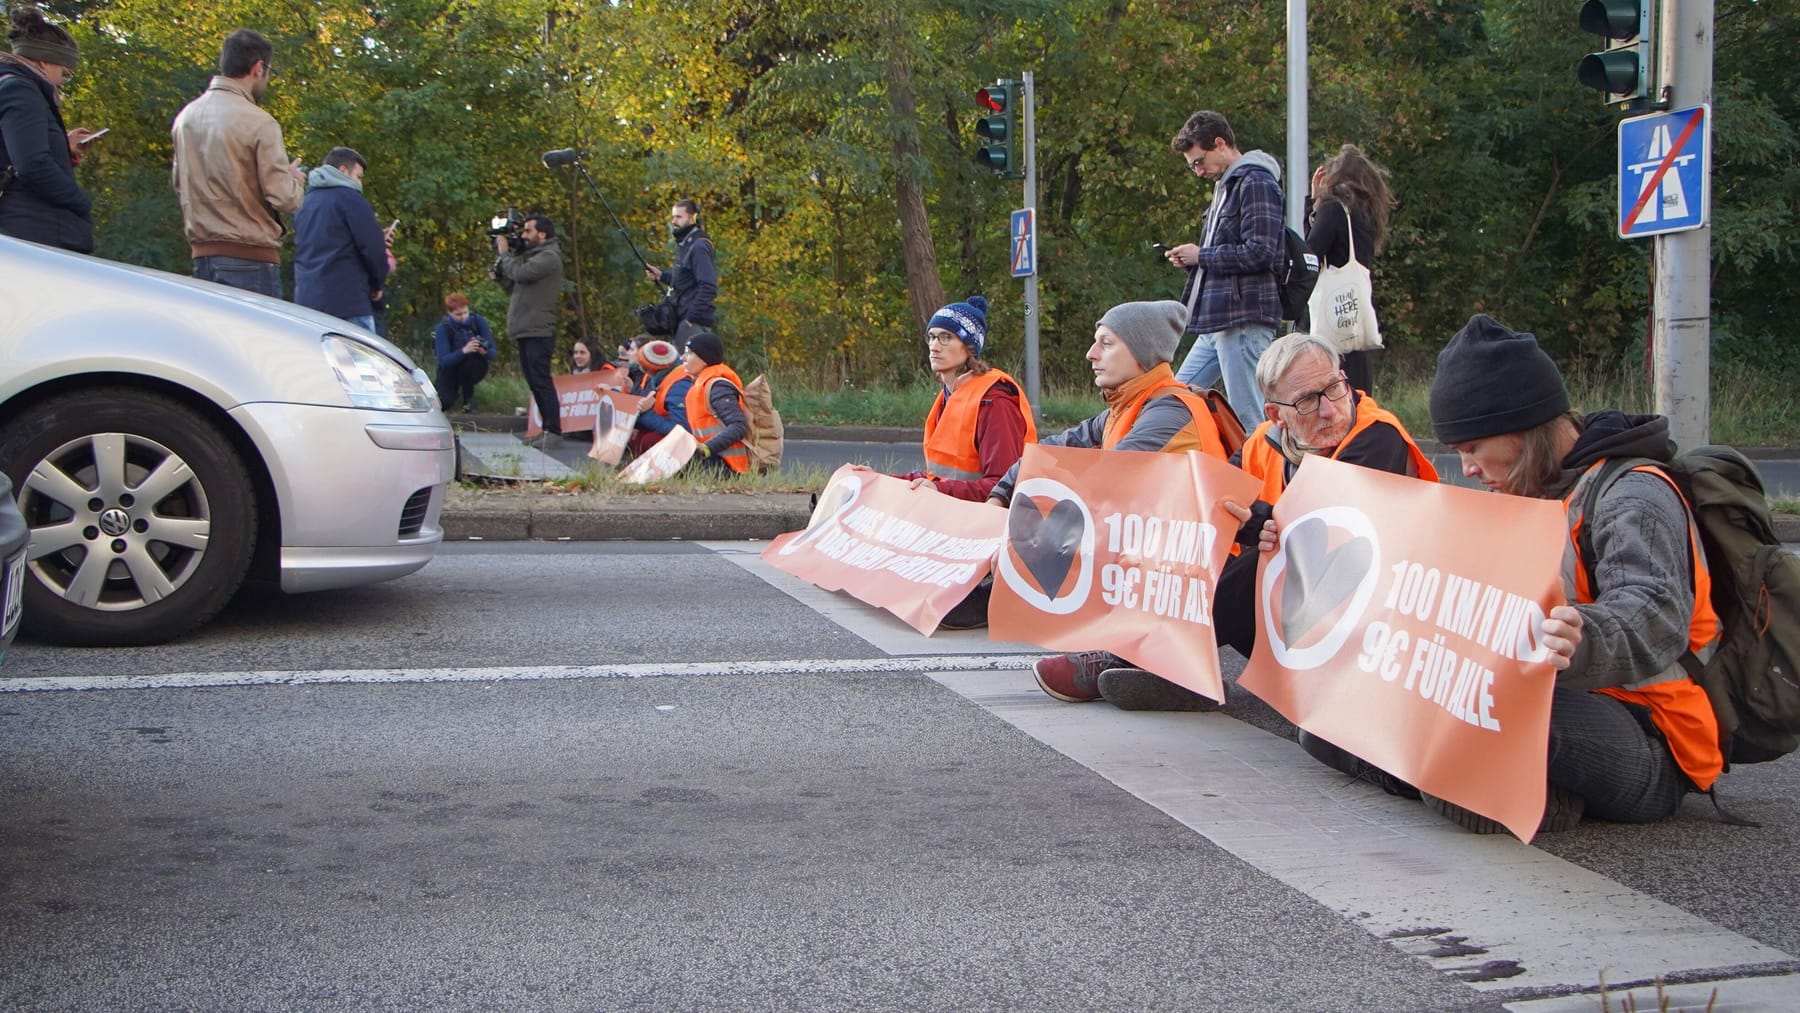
941 339
1306 404
1196 163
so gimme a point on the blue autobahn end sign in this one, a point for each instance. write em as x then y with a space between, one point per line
1665 172
1024 243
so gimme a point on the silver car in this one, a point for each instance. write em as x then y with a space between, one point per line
169 438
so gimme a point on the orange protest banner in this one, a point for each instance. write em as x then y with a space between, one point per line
913 552
668 456
1119 551
580 396
1389 627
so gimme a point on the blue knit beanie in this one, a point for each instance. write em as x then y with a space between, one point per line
966 320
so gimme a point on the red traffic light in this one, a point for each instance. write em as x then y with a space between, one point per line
992 99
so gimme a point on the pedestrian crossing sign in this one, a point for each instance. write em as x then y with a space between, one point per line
1665 172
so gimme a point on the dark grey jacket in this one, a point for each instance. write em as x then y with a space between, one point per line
695 278
41 202
534 280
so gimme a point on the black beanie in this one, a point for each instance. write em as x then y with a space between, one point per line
707 346
1490 381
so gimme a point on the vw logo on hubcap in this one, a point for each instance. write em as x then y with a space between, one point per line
115 522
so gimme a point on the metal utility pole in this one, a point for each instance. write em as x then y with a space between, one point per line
1299 173
1033 371
1681 321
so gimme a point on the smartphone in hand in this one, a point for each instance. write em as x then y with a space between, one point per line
91 138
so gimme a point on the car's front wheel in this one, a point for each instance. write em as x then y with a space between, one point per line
142 516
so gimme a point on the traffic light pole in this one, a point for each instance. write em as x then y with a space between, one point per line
1032 367
1681 321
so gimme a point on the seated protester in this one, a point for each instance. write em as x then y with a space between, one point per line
980 422
581 358
1146 409
1630 732
1309 408
464 344
663 386
715 407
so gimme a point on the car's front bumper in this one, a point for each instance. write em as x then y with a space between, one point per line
360 491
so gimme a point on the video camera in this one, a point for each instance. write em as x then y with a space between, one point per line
508 224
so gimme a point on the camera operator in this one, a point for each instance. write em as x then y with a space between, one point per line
531 272
695 278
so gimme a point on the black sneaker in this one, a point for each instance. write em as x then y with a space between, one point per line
1133 689
972 612
1562 811
1358 768
545 441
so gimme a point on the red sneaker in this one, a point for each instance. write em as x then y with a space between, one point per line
1074 678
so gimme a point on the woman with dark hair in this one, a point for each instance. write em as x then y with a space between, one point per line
39 198
1351 201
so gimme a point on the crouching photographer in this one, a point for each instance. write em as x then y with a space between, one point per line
532 274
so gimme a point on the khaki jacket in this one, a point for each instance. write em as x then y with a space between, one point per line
232 175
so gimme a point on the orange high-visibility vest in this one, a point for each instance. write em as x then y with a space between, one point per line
705 425
950 450
669 378
1161 382
1678 705
1262 459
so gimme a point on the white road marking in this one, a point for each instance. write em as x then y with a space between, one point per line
202 680
1526 923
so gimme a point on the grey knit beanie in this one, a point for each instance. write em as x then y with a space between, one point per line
1151 330
1491 380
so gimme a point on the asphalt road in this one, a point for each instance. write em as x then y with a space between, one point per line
663 777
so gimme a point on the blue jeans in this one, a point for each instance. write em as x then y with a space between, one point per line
249 275
1230 354
366 323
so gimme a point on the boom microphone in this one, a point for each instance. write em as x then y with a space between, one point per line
561 157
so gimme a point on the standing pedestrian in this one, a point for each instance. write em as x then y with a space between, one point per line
1233 285
232 173
533 276
340 251
1351 204
695 276
39 198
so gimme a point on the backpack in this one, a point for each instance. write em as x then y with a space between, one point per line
1753 678
765 439
1231 429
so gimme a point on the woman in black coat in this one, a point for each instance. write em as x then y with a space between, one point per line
39 198
1349 180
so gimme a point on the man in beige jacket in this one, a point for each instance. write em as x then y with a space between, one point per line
232 173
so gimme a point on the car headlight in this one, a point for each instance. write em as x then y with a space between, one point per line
372 380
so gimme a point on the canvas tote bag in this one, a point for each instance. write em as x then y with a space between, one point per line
1340 305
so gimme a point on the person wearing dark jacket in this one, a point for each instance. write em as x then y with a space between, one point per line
39 198
1349 205
340 252
715 407
695 276
1232 284
662 385
465 349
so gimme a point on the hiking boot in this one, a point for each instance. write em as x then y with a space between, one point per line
1074 678
1562 811
1133 689
1358 768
